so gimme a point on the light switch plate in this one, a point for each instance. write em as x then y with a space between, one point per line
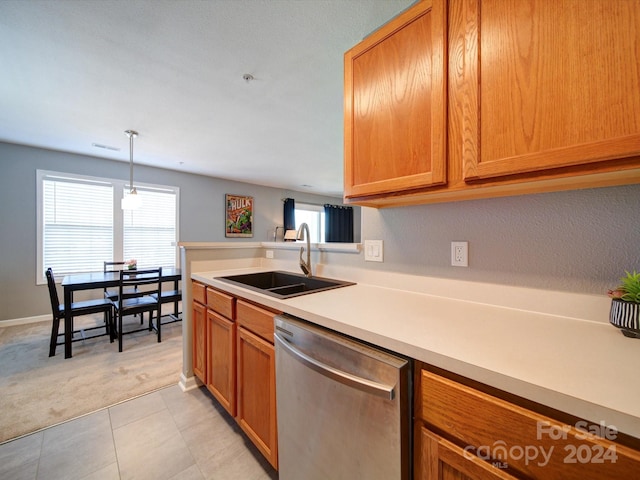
373 251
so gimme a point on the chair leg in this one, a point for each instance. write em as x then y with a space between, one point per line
119 331
112 327
55 326
159 326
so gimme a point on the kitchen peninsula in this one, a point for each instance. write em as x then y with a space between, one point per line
553 348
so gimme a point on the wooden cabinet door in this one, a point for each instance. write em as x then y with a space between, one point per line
257 392
546 84
395 105
221 360
443 460
500 431
198 316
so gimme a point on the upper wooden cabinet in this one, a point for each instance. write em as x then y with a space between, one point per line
395 110
548 84
540 95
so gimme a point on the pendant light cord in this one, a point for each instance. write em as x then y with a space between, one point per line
131 134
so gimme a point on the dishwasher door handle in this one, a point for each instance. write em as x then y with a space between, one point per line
345 378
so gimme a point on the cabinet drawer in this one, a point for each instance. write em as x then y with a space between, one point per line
530 444
199 292
221 302
256 319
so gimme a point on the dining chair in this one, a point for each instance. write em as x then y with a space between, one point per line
172 296
112 267
139 291
85 307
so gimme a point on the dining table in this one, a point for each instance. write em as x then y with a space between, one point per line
98 280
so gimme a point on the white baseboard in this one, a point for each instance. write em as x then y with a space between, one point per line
190 383
24 321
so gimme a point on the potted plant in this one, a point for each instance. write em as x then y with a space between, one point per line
131 264
625 305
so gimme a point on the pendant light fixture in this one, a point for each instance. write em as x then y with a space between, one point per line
131 201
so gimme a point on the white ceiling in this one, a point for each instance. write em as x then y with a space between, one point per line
74 73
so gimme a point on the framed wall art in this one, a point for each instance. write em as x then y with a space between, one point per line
239 216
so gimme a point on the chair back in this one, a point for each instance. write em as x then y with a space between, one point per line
53 293
131 281
113 266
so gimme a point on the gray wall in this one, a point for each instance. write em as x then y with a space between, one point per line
578 241
201 213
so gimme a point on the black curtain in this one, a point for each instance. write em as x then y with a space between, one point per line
338 224
289 214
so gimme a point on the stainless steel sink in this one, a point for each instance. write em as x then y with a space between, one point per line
283 284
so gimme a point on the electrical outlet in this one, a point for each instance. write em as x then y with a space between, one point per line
460 254
268 253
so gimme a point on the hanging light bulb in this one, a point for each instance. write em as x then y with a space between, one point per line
131 201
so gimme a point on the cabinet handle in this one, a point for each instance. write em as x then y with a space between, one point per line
345 378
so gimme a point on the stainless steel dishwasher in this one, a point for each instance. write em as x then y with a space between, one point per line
344 408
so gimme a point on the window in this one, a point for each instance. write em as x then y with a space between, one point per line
81 224
313 216
150 231
76 230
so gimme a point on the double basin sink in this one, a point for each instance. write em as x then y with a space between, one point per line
283 284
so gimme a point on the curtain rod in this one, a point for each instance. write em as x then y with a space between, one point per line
319 204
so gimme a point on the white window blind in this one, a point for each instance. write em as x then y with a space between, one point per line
150 231
77 225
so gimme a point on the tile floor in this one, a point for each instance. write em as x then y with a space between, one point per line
168 434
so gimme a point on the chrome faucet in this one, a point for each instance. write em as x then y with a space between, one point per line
305 266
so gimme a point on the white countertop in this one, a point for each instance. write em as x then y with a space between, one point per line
582 367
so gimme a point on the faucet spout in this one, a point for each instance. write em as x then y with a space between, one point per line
303 233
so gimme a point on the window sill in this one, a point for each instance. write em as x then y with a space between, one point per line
324 247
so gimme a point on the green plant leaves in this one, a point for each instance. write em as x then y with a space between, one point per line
630 286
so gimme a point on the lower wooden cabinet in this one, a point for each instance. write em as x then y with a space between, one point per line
257 393
198 315
233 355
444 460
221 360
475 433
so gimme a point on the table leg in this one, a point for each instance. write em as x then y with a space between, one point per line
68 328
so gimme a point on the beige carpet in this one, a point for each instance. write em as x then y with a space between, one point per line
38 391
